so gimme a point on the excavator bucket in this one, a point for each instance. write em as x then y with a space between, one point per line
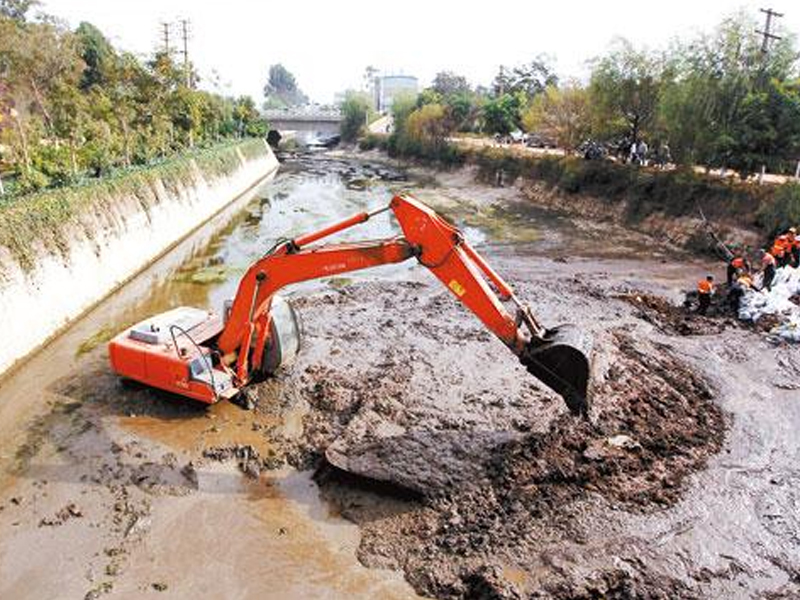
561 360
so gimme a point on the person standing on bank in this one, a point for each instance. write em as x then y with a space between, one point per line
768 264
705 289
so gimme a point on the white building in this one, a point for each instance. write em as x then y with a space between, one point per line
388 87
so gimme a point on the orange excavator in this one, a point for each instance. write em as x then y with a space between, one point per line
208 357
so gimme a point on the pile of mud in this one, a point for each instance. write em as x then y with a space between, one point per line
679 320
684 320
498 493
656 424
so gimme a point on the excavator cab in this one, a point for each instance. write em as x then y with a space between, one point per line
283 340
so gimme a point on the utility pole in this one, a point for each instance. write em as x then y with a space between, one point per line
767 33
165 27
185 34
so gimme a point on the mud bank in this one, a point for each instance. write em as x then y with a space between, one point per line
732 213
683 231
482 474
107 246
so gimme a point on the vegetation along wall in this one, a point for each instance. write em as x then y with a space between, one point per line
62 250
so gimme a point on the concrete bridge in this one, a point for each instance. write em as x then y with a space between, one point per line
304 122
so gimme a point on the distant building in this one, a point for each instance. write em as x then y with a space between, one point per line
388 87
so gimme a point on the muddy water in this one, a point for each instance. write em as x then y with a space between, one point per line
70 435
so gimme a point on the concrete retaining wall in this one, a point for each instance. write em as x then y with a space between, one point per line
36 305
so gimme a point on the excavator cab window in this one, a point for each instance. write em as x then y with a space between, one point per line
199 366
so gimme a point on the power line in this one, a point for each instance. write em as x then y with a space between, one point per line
767 33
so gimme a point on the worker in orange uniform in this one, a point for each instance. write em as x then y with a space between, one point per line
780 251
737 266
705 289
736 291
794 246
768 264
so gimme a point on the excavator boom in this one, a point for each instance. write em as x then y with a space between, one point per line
207 358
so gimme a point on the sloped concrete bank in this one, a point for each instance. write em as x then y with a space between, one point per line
110 241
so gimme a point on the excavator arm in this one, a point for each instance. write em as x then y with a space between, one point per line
558 357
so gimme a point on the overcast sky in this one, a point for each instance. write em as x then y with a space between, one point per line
328 43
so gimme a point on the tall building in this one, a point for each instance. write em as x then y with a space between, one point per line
388 87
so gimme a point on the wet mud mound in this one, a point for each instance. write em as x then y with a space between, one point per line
678 320
478 483
656 425
536 528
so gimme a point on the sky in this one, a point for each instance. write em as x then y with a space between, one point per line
328 44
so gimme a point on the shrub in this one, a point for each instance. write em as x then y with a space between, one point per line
47 217
374 140
783 212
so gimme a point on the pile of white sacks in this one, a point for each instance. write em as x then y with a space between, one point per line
756 304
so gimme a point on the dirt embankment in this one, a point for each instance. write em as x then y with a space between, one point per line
666 204
683 231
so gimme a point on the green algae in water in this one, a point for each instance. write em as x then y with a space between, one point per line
503 225
205 275
102 336
339 282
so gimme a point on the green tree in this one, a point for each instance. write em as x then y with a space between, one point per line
71 104
355 109
247 119
96 52
625 89
281 89
37 59
502 114
562 114
711 79
462 111
768 129
402 107
186 110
